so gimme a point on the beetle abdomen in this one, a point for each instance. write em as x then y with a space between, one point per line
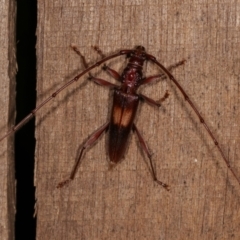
123 114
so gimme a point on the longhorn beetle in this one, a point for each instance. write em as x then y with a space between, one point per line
125 104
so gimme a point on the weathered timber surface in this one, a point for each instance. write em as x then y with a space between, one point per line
125 203
8 69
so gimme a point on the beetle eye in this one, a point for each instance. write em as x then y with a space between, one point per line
129 55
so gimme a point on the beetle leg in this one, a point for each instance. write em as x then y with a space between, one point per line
162 75
102 82
91 140
109 70
112 72
145 148
76 50
99 51
170 68
153 102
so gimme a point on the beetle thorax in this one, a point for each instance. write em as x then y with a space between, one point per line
131 78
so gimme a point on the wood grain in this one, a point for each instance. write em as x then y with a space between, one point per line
7 107
125 203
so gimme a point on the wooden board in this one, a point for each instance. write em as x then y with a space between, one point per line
125 203
7 107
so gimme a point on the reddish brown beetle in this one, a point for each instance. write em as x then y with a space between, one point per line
125 104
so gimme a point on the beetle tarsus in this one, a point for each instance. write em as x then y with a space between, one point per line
159 102
162 184
63 183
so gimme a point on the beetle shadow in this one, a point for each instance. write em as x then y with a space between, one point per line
203 135
66 98
110 94
143 154
52 90
110 97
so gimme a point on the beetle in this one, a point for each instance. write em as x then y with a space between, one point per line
124 108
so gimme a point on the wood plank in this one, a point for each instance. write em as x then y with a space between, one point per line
8 69
125 203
